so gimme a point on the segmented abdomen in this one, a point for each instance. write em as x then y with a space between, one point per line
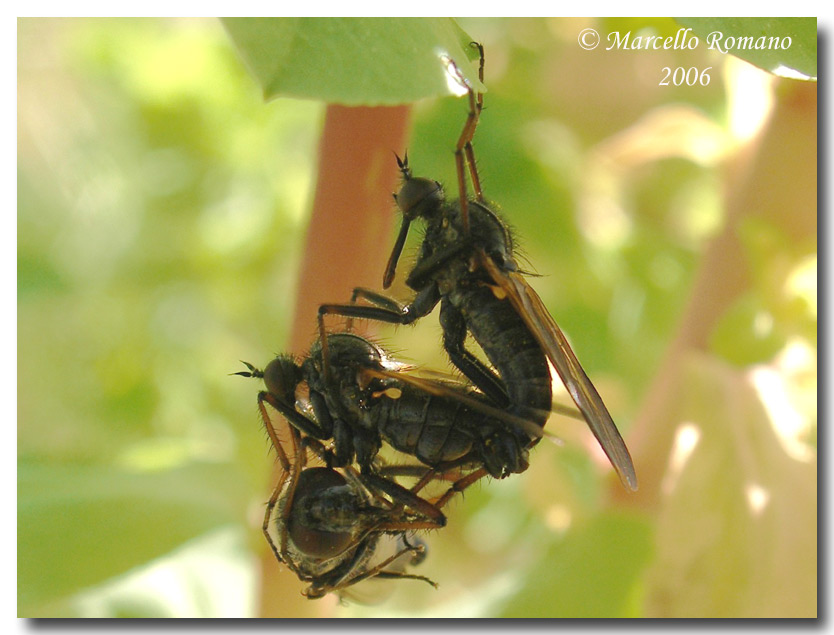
433 429
511 348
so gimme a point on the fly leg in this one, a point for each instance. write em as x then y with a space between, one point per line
385 309
457 486
391 312
460 485
285 405
470 153
454 336
289 471
379 571
321 430
405 498
343 441
388 310
320 590
464 144
429 263
390 306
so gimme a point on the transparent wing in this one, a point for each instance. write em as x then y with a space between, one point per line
530 307
455 391
455 381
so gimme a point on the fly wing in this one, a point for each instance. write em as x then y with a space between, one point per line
530 307
436 375
449 391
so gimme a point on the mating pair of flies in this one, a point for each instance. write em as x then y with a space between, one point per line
331 525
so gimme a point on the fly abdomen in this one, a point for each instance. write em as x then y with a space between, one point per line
444 435
512 349
427 427
322 521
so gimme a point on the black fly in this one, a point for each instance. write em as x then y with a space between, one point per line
466 263
335 528
367 400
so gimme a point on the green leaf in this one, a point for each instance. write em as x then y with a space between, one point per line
745 334
800 54
736 536
353 61
80 525
594 572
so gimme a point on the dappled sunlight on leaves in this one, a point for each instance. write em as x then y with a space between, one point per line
736 534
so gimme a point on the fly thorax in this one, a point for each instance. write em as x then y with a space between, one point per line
333 510
353 401
490 231
445 285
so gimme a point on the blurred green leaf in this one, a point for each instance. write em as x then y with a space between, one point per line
746 334
352 61
800 56
737 535
80 525
593 572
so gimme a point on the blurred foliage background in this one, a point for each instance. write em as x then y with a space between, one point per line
162 217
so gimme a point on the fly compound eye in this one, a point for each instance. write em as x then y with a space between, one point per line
309 509
281 376
418 197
